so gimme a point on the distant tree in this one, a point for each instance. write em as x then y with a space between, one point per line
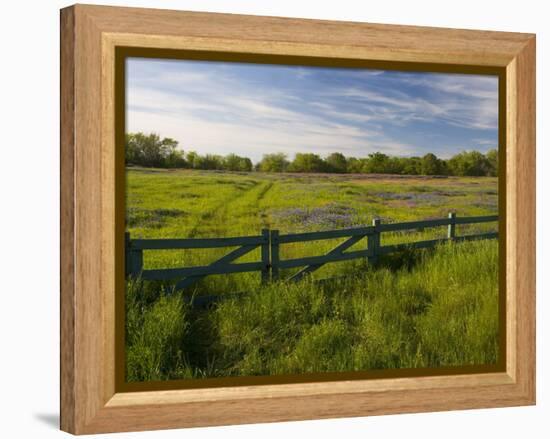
492 157
395 165
192 159
233 162
431 165
153 151
355 165
209 162
175 159
410 165
132 150
149 150
377 163
273 163
469 163
246 164
336 162
307 162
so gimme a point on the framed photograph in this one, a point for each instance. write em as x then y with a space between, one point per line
267 219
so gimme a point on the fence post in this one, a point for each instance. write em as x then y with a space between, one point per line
274 255
133 257
265 256
451 231
373 242
127 256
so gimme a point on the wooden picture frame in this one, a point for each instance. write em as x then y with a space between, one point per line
91 402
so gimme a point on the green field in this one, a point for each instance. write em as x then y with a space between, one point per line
415 309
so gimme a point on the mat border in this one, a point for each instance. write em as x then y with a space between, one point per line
93 398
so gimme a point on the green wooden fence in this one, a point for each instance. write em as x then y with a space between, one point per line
270 242
187 276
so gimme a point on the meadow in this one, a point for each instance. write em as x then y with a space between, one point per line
423 308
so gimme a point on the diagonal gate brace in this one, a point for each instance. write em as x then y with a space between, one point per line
225 260
339 249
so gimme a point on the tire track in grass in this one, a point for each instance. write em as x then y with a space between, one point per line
219 210
245 208
264 191
267 188
218 219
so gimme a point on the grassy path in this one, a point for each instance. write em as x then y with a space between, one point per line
220 212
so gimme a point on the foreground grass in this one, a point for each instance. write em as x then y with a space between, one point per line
427 309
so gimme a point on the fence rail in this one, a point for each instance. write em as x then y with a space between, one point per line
270 242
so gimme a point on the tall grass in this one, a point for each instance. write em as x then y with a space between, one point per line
155 334
441 309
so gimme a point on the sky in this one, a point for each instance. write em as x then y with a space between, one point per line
253 109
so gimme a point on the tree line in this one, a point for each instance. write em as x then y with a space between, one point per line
149 150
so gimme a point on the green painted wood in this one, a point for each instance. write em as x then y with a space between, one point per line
313 260
335 251
387 249
136 261
488 235
172 244
133 258
476 219
329 234
413 225
178 273
373 248
265 250
451 228
274 240
230 257
270 242
127 255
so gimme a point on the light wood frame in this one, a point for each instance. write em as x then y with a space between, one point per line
89 36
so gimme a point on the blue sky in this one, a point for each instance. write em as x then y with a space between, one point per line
253 109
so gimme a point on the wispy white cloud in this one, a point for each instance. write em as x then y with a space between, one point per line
244 125
252 110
